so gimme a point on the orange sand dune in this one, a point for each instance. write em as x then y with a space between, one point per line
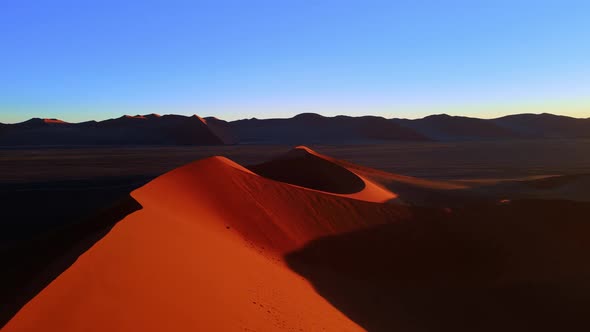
206 254
387 179
306 168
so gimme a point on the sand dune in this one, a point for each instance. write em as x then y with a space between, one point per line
309 169
216 245
205 253
306 165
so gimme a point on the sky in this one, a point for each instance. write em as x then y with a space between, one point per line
82 60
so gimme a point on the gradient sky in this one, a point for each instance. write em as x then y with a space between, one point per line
81 60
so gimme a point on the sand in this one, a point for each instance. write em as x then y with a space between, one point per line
206 254
218 247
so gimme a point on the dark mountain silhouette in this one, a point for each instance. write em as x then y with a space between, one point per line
313 128
306 128
127 130
546 125
444 127
222 129
41 123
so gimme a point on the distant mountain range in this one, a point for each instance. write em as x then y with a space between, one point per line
310 128
306 128
127 130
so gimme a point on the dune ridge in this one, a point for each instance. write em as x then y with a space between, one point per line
206 253
306 168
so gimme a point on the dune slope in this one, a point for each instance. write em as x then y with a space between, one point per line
306 168
205 253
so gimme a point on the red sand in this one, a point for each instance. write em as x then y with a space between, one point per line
370 190
205 254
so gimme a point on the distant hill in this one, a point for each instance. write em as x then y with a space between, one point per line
546 125
127 130
444 127
309 128
221 129
306 128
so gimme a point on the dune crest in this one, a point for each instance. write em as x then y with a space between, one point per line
306 168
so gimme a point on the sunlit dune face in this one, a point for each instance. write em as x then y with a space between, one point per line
273 214
204 254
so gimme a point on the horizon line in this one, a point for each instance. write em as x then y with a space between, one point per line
291 117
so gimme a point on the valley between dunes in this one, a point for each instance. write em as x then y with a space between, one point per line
306 242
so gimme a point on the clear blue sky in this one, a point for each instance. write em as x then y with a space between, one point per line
80 60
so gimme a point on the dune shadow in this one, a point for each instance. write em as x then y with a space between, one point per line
515 267
309 171
31 265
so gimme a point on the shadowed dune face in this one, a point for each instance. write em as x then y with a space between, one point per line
301 168
306 168
514 267
66 244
